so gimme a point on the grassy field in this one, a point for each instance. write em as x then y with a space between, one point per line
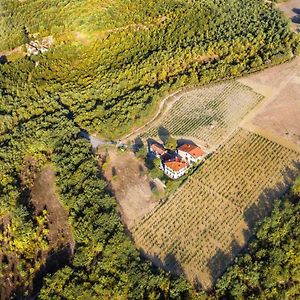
209 114
205 223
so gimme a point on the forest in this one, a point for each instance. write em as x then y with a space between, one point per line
109 66
112 73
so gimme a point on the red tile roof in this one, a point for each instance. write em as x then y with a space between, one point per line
176 165
193 150
158 149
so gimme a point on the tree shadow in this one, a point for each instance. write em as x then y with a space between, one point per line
296 10
137 144
113 171
181 142
266 200
218 264
163 134
3 59
296 19
56 260
169 263
152 185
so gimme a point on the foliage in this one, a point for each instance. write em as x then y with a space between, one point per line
270 269
112 61
171 143
110 64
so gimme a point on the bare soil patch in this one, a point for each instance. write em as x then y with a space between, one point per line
278 117
130 184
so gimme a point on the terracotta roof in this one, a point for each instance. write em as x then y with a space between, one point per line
158 148
193 150
176 165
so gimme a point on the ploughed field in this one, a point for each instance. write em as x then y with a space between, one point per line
206 222
207 115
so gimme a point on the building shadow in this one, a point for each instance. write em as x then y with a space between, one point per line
137 144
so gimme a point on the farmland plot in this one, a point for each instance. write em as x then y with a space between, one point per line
209 114
205 223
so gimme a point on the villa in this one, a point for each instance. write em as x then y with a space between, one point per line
175 169
190 153
176 163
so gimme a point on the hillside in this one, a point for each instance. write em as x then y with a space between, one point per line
112 61
110 64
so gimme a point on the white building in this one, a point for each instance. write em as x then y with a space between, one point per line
175 169
190 153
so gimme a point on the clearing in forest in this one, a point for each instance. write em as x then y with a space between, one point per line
207 115
207 221
44 196
135 192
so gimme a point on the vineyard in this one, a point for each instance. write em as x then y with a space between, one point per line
204 224
209 114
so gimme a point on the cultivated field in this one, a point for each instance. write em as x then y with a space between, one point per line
207 115
205 223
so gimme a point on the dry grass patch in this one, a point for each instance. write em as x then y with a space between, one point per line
278 118
129 182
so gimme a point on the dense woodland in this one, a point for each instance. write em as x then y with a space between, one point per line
109 66
270 269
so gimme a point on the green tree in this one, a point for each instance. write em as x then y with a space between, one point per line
171 143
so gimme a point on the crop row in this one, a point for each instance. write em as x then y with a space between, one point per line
214 209
209 114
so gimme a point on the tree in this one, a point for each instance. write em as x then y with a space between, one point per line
171 143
